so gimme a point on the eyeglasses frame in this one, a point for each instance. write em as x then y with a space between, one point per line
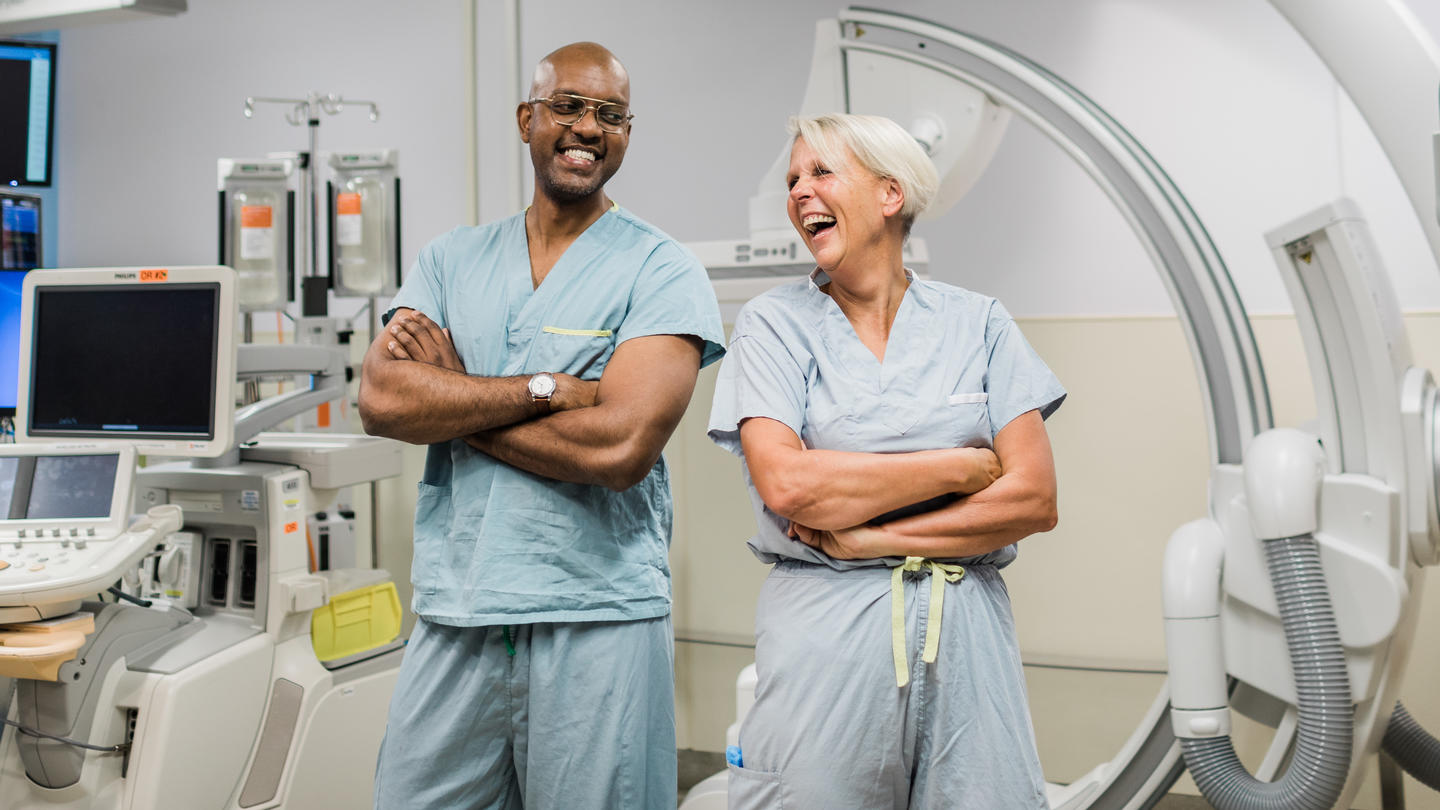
599 102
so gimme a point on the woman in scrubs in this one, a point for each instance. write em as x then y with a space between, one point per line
893 435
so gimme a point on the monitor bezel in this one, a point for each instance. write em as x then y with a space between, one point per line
107 527
53 48
221 440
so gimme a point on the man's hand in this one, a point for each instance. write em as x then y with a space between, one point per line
415 337
573 392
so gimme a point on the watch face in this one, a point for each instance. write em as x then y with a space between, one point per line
542 385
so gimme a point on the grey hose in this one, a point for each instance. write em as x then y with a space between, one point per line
1317 770
1412 747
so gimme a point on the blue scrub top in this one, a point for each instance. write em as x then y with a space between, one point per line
495 544
956 371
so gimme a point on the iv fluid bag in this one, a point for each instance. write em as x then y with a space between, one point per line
364 193
361 238
255 259
257 236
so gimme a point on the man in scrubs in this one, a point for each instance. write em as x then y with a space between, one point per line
545 359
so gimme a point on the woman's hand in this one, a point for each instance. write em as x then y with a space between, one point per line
854 543
980 469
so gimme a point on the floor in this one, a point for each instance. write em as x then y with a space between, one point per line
697 765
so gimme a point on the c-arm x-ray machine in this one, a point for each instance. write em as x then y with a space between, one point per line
248 679
1294 600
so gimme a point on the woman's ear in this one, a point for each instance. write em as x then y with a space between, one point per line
893 199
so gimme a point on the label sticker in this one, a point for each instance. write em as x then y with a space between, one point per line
250 500
257 238
292 527
154 275
347 219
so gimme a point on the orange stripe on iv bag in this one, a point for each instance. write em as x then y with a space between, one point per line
255 216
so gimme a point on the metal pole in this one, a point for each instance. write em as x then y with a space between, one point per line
374 485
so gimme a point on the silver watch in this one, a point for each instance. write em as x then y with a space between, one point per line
541 387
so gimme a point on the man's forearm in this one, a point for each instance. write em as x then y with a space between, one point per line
582 446
423 404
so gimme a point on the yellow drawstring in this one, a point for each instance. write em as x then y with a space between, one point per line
940 573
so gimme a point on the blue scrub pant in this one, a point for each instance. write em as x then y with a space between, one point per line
830 729
581 715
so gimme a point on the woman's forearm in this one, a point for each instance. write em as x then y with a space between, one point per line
1011 509
829 489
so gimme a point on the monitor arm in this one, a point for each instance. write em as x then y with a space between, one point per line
326 366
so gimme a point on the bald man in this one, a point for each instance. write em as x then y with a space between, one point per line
545 359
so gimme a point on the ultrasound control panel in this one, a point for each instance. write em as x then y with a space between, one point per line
66 530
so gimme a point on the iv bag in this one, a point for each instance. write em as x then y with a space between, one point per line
364 195
257 230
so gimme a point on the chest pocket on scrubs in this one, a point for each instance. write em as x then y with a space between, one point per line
583 353
968 417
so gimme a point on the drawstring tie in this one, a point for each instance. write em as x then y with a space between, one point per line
940 573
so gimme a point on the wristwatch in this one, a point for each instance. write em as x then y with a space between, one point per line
541 387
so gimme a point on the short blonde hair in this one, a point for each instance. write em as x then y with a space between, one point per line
878 144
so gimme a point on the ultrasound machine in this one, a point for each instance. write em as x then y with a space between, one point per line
167 639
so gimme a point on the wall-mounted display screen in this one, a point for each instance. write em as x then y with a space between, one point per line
27 98
20 234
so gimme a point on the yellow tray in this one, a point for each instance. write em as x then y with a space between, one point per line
355 621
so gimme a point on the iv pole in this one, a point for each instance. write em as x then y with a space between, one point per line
315 286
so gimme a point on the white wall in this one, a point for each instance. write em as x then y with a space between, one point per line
145 109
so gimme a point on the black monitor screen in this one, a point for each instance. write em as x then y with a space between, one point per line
129 361
27 106
20 233
72 487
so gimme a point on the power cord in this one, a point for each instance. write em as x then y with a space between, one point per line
30 732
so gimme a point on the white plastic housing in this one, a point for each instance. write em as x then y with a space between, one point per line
1283 471
1194 646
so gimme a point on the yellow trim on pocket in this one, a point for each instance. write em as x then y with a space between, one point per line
555 330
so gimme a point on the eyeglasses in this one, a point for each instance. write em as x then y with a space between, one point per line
568 109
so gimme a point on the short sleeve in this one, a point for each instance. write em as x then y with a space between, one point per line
759 377
673 296
1017 380
423 288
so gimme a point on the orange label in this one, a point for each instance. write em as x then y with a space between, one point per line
347 203
254 216
292 527
154 275
322 415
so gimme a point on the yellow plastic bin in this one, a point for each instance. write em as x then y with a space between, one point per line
363 613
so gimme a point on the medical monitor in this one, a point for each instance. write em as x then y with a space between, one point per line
144 356
27 106
20 231
45 488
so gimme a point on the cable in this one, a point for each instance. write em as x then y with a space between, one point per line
119 594
26 730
